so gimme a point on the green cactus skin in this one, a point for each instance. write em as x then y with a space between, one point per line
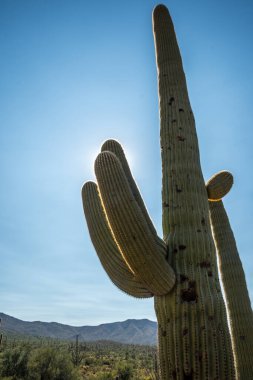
193 335
138 245
235 288
106 247
114 147
219 185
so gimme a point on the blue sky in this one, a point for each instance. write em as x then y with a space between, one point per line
74 73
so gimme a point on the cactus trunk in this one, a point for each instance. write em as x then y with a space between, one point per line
194 341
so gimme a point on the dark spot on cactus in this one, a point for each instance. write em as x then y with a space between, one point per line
183 278
200 356
182 247
168 320
171 101
174 374
174 120
205 264
188 376
180 138
165 204
181 110
134 237
210 317
185 332
198 230
178 190
190 294
203 327
242 337
210 273
203 221
175 250
164 333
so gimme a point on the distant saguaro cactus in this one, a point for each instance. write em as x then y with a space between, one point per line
180 270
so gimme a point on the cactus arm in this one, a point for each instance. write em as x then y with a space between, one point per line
234 283
106 247
194 340
114 147
137 244
236 293
219 185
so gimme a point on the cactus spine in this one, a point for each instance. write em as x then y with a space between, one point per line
233 280
180 270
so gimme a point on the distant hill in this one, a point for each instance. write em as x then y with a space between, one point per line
131 331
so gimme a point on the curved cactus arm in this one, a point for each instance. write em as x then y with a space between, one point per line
234 284
137 244
106 247
114 147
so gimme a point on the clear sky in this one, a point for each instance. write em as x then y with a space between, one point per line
74 73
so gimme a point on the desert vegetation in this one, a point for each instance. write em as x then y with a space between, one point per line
29 358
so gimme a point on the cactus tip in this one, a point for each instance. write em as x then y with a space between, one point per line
219 185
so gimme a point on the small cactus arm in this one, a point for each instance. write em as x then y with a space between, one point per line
232 276
180 270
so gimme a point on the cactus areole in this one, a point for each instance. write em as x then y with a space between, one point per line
180 270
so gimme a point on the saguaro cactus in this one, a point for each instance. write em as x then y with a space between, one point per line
232 276
180 270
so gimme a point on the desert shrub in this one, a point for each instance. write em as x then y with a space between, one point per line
105 376
124 372
14 363
49 364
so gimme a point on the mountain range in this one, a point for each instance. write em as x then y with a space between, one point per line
131 331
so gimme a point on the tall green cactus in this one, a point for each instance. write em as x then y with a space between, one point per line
180 270
233 278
